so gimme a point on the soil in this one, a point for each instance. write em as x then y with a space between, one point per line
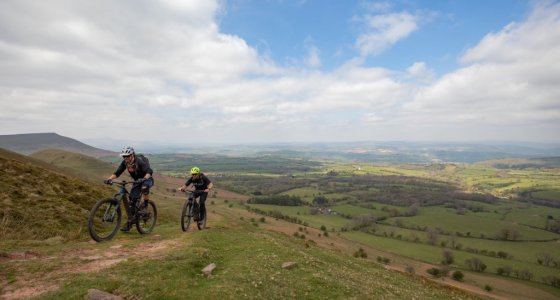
78 261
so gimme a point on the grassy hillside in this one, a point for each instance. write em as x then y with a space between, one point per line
249 248
248 257
83 166
29 143
39 201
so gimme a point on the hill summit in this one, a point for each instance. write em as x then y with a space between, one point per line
32 142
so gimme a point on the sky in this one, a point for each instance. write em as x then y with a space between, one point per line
277 71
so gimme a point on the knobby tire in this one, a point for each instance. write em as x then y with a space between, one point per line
103 230
186 216
145 223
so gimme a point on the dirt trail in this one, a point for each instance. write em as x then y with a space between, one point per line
85 260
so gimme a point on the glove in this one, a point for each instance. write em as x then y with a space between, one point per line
108 181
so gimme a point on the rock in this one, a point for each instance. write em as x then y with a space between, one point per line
116 247
156 237
208 269
289 265
94 294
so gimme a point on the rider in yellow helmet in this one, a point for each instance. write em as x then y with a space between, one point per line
202 185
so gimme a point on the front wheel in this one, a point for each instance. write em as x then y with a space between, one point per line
186 216
147 218
104 220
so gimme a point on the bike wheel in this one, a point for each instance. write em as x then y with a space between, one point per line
201 222
104 220
186 216
146 218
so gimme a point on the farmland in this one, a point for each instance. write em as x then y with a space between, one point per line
508 219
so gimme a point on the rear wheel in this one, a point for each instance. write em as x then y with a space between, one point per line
186 216
104 220
146 218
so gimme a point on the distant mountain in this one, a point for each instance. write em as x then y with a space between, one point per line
33 142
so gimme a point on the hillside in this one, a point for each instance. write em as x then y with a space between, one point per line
40 201
29 143
167 265
248 248
80 165
46 253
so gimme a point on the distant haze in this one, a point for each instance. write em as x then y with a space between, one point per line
233 72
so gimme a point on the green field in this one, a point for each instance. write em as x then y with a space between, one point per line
418 211
509 223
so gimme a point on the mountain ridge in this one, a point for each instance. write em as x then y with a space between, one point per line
32 142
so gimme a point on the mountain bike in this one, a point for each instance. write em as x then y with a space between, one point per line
191 210
105 217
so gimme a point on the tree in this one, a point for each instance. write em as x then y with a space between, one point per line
432 235
475 264
320 201
458 275
504 271
506 234
447 257
363 221
545 258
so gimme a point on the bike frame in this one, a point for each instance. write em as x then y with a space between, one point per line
120 196
108 211
191 209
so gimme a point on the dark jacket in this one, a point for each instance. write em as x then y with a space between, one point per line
200 184
137 170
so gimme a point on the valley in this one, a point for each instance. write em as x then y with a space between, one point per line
359 231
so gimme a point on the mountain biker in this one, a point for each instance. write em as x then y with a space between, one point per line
202 185
139 169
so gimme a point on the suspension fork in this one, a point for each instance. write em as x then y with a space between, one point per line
126 201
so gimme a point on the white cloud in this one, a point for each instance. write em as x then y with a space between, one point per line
109 68
385 30
421 72
509 79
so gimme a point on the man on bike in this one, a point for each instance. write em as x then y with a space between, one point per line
202 186
139 169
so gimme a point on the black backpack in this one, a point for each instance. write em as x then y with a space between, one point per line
143 158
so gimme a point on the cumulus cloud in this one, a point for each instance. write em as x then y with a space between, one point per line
385 30
109 68
509 80
421 72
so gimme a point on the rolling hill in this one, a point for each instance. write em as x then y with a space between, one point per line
45 251
29 143
41 201
80 165
46 198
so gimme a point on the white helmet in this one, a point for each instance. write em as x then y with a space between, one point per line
127 151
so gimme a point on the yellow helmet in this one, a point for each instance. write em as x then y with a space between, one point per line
195 170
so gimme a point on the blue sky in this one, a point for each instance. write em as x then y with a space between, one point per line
241 71
284 30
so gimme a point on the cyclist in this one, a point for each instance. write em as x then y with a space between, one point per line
202 185
139 169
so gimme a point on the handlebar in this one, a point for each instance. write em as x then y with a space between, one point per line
120 183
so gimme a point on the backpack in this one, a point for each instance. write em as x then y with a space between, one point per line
143 158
